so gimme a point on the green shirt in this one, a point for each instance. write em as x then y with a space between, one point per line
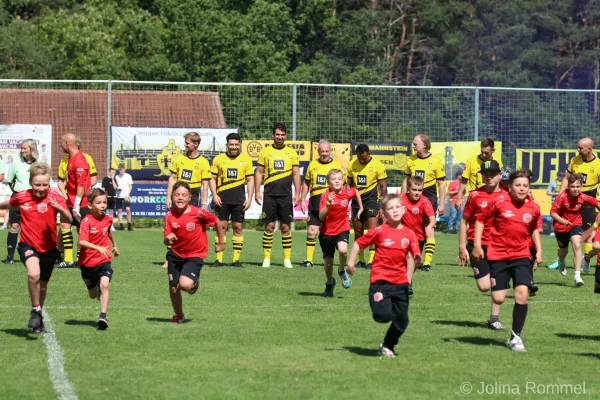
17 175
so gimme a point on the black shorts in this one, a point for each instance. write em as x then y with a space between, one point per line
189 267
329 243
110 202
235 212
14 215
47 259
387 299
83 211
501 272
120 203
196 196
313 210
564 238
588 215
278 208
480 268
369 211
91 276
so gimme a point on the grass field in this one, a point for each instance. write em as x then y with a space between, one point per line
268 334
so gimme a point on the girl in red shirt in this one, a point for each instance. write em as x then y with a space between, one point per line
513 221
395 246
335 227
37 247
95 238
185 232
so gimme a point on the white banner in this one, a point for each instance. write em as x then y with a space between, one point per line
11 137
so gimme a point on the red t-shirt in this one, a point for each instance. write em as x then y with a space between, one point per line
391 248
78 174
477 203
96 232
416 211
569 208
454 185
190 229
38 218
336 219
511 228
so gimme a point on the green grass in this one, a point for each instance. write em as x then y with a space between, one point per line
267 333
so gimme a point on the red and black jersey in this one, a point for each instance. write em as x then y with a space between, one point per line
416 213
190 229
96 232
569 208
477 202
78 174
391 249
336 219
38 218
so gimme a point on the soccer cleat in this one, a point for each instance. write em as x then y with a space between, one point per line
329 289
166 264
495 326
410 289
9 261
597 285
426 267
217 263
65 264
194 288
237 264
578 280
361 264
516 344
562 267
554 265
585 265
287 264
102 324
112 229
368 266
533 290
177 319
130 228
306 263
266 263
345 277
385 352
3 228
35 320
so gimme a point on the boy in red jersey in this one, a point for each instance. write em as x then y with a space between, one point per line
37 246
568 224
95 238
335 227
513 221
395 245
185 232
477 203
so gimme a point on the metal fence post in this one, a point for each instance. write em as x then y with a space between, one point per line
108 125
294 95
476 116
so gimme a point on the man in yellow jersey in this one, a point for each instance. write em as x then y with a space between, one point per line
369 177
588 165
471 177
315 181
280 167
230 171
431 168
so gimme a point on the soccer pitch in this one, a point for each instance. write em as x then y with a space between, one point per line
268 334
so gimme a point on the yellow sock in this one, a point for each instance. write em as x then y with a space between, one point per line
238 243
67 238
310 249
286 242
429 251
220 253
587 247
371 256
267 242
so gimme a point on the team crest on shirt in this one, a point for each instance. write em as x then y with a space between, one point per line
42 208
378 297
28 253
175 225
578 206
105 231
405 242
190 226
508 214
344 203
415 210
527 218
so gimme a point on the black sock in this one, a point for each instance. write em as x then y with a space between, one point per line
11 244
103 315
519 315
493 318
597 283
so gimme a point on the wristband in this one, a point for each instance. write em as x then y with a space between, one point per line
328 203
77 202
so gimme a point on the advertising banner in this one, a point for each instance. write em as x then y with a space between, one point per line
339 152
544 164
11 137
454 155
392 155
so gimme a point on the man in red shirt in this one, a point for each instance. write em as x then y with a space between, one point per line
395 247
568 224
335 228
513 221
455 214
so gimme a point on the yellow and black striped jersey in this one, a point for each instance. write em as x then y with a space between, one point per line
62 166
430 168
590 171
230 174
365 178
278 164
191 170
472 172
316 175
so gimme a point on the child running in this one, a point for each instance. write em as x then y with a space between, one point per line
37 246
335 227
513 221
395 244
95 238
185 232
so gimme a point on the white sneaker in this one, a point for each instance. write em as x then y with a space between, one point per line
585 265
287 264
578 280
385 352
516 344
562 267
3 227
266 263
112 229
166 264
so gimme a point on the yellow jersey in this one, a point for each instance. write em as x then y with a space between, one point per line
191 170
365 178
278 164
472 172
62 166
431 169
316 175
230 173
590 171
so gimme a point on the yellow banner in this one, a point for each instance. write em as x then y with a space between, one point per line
454 155
393 154
545 164
339 152
253 148
542 198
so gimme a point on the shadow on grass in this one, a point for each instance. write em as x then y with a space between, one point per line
592 355
570 284
161 263
476 340
23 333
166 320
468 324
577 337
362 351
76 322
311 294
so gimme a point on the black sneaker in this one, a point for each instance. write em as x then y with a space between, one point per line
306 264
35 320
410 289
130 228
217 263
9 261
237 264
533 290
65 264
102 324
425 268
329 289
361 264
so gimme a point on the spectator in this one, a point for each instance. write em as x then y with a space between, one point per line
455 215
